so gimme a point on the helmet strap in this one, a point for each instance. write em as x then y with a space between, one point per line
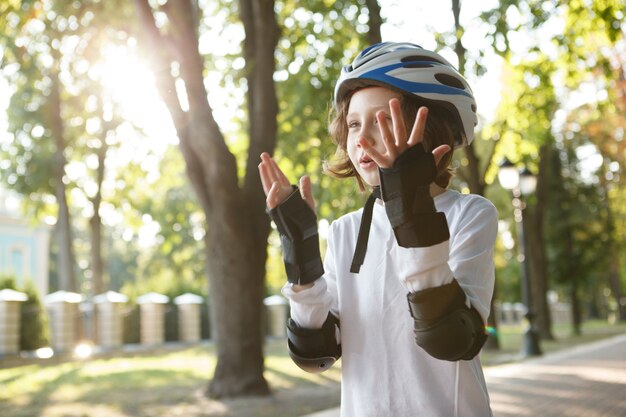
364 231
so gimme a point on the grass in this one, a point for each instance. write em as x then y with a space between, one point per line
171 383
511 338
158 385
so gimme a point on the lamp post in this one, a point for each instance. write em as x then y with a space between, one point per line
522 183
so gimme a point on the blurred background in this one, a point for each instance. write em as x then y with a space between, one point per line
130 134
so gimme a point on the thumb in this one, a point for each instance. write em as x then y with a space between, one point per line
439 152
306 191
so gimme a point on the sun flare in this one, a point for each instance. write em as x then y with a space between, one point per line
129 83
129 86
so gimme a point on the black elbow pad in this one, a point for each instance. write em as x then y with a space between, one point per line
314 350
445 327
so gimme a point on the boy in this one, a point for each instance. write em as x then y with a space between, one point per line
398 112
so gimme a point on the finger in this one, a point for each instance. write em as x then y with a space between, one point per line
306 191
439 152
273 196
267 171
373 153
417 134
385 132
265 177
399 130
278 173
270 166
274 171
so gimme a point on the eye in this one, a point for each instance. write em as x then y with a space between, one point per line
353 124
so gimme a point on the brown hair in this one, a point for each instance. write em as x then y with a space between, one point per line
441 129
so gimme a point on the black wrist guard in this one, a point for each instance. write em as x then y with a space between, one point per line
410 208
314 350
297 226
445 327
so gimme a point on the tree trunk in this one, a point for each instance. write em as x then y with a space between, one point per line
572 278
613 248
97 263
237 226
616 289
67 276
536 249
375 22
576 310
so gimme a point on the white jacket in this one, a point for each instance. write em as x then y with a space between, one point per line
384 372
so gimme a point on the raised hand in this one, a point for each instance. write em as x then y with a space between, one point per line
276 185
394 137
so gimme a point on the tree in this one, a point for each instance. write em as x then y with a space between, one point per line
596 126
311 53
236 224
40 140
596 23
602 124
62 122
576 230
591 56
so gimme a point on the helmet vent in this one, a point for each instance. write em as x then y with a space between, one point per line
412 58
418 65
450 81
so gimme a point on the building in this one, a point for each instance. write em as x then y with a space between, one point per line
24 247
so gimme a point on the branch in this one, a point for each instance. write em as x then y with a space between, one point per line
160 62
375 21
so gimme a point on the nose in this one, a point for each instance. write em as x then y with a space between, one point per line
365 135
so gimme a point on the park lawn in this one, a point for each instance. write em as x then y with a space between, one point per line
158 385
511 337
170 383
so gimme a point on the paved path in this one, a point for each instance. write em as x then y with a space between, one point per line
585 381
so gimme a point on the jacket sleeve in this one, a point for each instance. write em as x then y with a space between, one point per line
466 257
450 284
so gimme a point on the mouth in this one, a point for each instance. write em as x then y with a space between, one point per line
366 162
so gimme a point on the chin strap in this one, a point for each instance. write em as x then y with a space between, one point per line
364 231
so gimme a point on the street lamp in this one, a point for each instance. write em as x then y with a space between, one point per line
522 183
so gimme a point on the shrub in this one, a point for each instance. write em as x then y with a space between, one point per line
34 321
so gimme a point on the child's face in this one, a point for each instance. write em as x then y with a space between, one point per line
361 121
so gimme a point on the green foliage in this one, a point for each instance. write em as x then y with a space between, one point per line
176 256
591 27
526 111
34 321
576 225
167 283
320 38
537 82
79 36
39 39
507 266
50 46
131 326
7 282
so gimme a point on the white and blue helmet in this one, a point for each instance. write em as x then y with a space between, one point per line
414 70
